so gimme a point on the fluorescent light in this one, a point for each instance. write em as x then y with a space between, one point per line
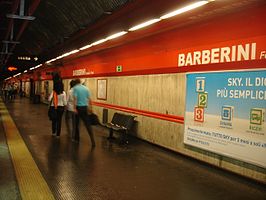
98 42
69 53
32 68
116 35
86 47
17 74
37 66
63 55
58 57
25 71
184 9
144 24
51 60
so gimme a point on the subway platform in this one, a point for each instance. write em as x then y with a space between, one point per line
35 165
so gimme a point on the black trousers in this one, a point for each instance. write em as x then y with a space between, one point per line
56 123
83 115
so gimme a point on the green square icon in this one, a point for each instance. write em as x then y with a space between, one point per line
202 99
256 116
119 68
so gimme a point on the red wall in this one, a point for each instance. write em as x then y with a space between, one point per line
159 53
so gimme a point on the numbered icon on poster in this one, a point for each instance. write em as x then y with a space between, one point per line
199 114
200 84
257 116
202 99
227 113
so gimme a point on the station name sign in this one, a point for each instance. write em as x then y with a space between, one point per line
80 72
240 52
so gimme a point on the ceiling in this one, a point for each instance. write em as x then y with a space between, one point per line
60 26
55 22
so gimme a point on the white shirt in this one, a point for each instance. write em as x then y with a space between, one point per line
70 100
61 99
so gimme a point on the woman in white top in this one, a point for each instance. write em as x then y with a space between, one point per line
58 98
70 116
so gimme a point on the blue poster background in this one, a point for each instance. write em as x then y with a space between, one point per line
225 114
219 81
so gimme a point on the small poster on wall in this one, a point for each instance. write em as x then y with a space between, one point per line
102 89
225 114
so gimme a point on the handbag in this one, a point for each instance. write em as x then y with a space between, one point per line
93 119
52 111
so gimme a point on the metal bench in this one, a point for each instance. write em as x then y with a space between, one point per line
120 123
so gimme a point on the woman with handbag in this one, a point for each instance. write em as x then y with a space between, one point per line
57 102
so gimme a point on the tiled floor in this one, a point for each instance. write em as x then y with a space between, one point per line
138 171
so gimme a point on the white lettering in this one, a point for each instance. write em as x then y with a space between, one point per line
79 72
220 55
181 59
241 52
215 55
206 57
262 54
260 81
233 53
196 60
253 51
225 51
189 59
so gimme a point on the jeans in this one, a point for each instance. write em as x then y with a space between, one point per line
83 114
56 124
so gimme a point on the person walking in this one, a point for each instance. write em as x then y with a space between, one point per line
70 116
82 104
58 102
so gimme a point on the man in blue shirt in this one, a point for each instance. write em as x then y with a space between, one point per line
82 104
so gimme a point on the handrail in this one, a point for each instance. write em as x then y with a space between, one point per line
172 118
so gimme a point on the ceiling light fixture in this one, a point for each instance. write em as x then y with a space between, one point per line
139 26
49 61
142 25
71 52
17 74
85 47
98 42
116 35
184 9
37 66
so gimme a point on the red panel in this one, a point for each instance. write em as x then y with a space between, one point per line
159 53
172 118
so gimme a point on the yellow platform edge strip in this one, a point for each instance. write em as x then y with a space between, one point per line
31 183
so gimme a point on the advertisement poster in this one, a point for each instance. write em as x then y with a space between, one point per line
102 89
225 114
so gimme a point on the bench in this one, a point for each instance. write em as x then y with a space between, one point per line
121 123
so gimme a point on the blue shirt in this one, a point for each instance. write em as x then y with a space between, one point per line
82 95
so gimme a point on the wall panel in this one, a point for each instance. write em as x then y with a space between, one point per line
163 93
158 85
